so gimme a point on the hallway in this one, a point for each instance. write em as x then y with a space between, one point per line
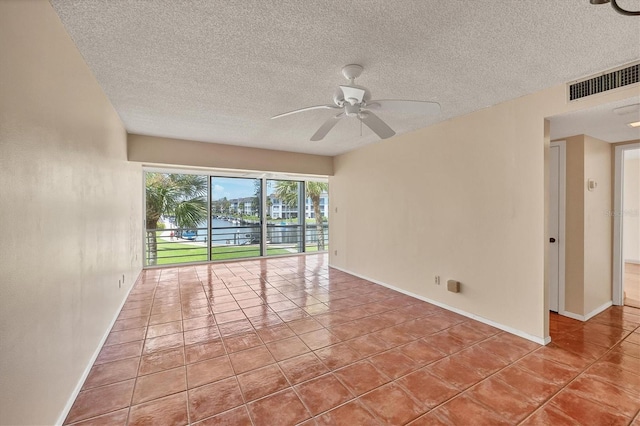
286 341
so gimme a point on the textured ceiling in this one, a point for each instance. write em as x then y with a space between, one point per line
217 70
607 122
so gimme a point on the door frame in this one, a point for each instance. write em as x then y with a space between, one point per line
562 212
618 262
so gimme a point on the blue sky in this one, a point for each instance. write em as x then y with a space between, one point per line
236 187
232 187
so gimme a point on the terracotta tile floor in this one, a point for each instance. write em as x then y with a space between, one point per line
289 341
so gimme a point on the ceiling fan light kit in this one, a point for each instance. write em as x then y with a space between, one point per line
355 102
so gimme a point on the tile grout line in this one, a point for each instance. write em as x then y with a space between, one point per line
550 398
144 343
224 346
276 363
184 354
462 391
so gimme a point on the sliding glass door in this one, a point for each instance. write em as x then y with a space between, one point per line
236 214
176 218
196 218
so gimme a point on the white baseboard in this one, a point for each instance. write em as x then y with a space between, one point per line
502 327
597 310
588 316
571 315
87 370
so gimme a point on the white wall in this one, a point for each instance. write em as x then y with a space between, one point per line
70 213
465 199
631 208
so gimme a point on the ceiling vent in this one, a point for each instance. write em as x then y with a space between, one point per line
604 82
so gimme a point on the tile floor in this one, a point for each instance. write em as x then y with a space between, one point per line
289 341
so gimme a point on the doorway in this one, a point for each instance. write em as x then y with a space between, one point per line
556 226
626 225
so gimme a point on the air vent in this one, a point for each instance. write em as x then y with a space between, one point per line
604 82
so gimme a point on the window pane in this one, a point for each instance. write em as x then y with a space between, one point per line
284 219
176 218
235 218
317 216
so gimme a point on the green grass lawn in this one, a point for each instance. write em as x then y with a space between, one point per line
171 253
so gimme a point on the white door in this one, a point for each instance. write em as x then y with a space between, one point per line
554 226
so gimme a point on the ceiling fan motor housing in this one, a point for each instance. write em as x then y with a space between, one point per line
338 95
351 110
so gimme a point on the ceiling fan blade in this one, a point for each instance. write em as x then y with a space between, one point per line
306 109
324 129
378 126
351 92
413 107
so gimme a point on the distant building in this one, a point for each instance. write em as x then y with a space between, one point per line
243 206
277 209
280 210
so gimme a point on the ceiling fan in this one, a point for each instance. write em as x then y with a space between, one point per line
354 101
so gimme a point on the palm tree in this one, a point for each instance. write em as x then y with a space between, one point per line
225 205
287 191
181 196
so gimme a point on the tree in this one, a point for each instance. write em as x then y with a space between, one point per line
181 196
257 196
287 191
226 204
269 205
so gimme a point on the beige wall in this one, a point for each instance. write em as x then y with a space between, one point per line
574 226
165 151
464 199
588 249
70 212
598 224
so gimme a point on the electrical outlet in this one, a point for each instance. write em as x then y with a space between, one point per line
436 280
119 283
122 278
